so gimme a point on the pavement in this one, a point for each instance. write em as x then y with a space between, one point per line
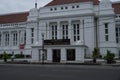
105 66
57 72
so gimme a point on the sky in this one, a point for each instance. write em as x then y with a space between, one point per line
11 6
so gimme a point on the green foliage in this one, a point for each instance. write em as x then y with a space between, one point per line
28 56
95 54
110 57
19 55
5 56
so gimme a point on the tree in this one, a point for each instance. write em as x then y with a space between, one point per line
110 57
95 54
5 56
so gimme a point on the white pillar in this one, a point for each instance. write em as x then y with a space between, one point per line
18 36
49 55
2 42
79 55
48 30
63 55
81 30
70 31
35 55
10 39
58 30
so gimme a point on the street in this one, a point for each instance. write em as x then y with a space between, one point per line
59 72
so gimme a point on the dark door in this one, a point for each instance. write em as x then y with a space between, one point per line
56 55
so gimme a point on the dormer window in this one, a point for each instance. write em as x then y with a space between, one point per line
77 6
73 6
51 9
55 9
61 8
66 7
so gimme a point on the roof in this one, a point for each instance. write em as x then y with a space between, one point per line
116 7
13 18
61 2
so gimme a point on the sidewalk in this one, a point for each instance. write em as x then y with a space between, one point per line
62 64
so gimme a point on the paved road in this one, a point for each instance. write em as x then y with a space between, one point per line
59 72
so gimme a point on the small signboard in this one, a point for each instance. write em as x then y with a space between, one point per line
22 46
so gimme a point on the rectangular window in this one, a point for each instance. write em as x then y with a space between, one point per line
15 39
106 32
76 31
106 25
70 54
65 31
25 37
54 31
32 35
117 35
106 38
7 39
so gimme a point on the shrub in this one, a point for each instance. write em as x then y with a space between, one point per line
28 56
9 56
19 55
95 54
109 57
5 56
100 56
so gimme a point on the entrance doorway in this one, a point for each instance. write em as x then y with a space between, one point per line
56 55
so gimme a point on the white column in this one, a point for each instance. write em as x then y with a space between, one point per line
48 31
2 42
70 31
3 39
58 30
79 55
49 55
18 36
10 39
63 55
81 30
23 32
35 55
22 36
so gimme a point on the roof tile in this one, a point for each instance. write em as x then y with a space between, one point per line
13 18
61 2
116 7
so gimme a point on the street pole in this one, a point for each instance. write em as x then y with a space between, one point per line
42 48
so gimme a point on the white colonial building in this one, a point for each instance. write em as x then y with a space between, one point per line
63 30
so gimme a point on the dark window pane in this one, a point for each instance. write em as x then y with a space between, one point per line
78 37
106 38
71 55
106 25
74 38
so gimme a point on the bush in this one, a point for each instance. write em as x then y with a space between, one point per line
5 56
9 56
100 56
95 54
28 56
109 57
19 55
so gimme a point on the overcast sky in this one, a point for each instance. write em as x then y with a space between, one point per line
10 6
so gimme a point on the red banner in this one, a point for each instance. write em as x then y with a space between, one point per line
22 46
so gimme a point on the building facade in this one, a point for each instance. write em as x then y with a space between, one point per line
63 31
